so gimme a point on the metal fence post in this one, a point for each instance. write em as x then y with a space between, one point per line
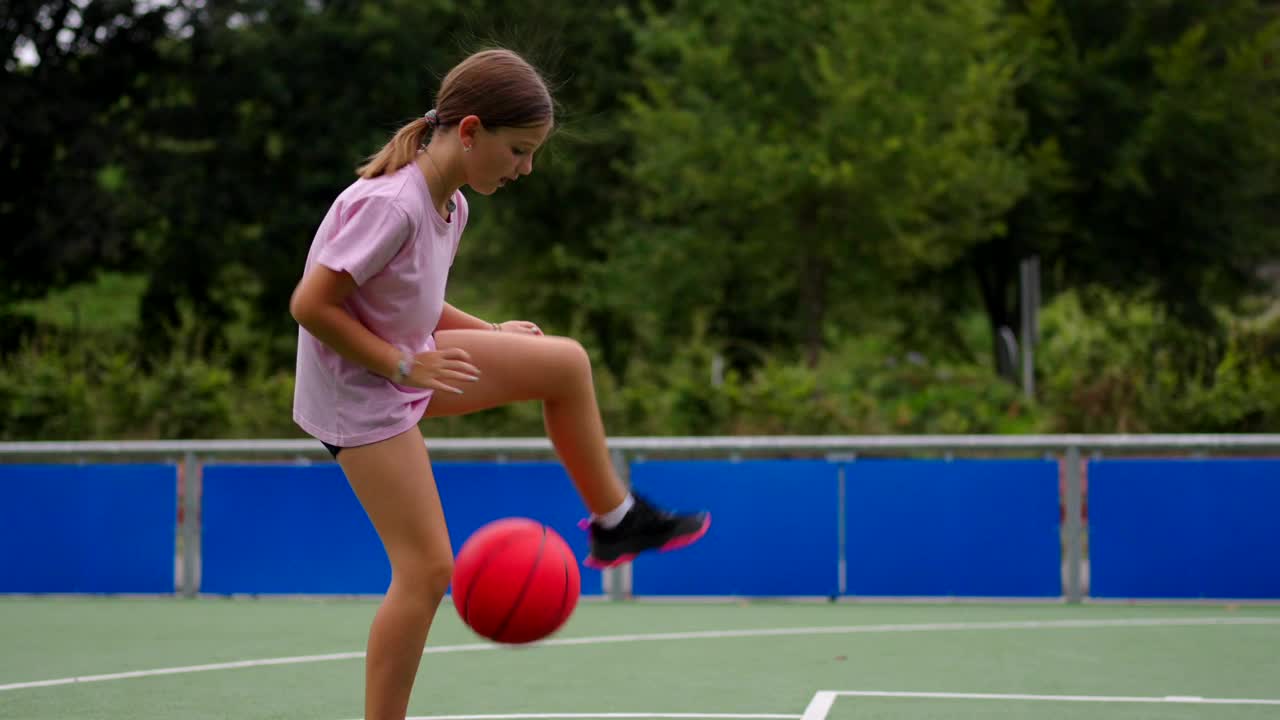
192 490
842 461
842 531
617 580
1074 528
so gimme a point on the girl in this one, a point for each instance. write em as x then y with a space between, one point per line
379 348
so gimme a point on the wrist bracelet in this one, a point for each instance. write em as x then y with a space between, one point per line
403 367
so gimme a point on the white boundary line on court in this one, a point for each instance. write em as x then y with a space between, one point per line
822 700
610 716
695 635
819 706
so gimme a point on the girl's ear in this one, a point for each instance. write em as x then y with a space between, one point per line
468 128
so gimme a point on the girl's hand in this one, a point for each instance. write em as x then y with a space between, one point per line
519 326
441 370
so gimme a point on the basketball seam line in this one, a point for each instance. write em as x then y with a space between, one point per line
524 590
475 577
564 595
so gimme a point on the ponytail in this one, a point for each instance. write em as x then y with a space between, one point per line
399 151
498 86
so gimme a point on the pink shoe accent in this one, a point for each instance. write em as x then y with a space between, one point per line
690 539
675 544
600 565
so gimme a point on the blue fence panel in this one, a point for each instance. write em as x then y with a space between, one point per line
87 528
284 529
1184 528
964 528
300 529
477 493
774 529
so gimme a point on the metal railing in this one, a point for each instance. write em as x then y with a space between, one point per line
1070 448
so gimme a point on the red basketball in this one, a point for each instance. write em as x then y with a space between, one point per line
515 581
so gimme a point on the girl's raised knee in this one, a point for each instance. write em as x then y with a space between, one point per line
574 359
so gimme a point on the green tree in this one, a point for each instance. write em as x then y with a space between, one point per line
270 109
1153 139
275 105
785 154
529 249
70 72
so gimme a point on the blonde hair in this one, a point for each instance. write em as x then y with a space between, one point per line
498 86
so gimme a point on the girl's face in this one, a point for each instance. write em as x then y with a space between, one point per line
502 156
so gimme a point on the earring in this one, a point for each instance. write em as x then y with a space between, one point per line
466 148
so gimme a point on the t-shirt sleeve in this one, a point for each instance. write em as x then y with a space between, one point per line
369 238
463 214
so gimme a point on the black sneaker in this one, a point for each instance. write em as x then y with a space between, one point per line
644 527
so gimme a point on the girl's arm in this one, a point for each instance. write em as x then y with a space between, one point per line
454 319
317 305
451 318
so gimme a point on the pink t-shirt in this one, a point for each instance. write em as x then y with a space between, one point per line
398 249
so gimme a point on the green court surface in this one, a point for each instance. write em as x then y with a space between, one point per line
233 659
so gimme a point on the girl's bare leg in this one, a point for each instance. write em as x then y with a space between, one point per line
556 370
394 483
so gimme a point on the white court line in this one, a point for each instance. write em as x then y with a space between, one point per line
822 701
819 706
183 670
1184 699
610 716
697 635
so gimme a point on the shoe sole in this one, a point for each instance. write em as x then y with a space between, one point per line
672 544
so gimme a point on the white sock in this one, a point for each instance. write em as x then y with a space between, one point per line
610 520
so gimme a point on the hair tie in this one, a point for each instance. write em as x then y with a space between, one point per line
432 118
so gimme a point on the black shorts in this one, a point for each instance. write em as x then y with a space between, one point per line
333 449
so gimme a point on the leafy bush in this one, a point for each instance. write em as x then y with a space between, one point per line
1111 364
1106 364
